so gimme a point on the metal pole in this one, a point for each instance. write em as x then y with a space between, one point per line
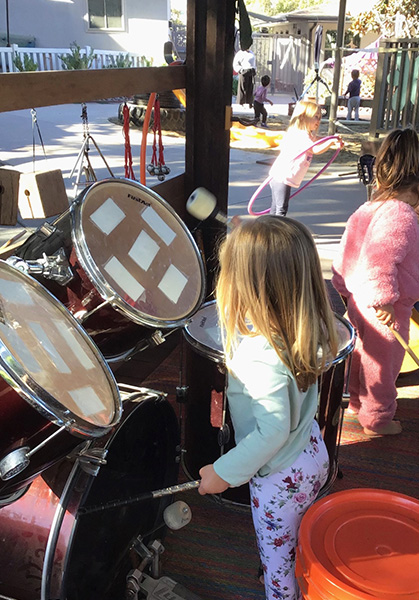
7 25
338 62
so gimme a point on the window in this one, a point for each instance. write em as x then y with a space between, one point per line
105 14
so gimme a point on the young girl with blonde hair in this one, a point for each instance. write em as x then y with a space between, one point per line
279 336
292 164
377 272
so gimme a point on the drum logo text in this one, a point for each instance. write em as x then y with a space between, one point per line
139 200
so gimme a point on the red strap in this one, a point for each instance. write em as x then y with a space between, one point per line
129 172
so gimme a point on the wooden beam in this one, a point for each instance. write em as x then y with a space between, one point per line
209 79
50 88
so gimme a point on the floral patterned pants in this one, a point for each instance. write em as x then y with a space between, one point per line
279 502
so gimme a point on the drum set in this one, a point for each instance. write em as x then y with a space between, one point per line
89 466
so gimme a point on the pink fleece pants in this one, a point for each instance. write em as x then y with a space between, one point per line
376 363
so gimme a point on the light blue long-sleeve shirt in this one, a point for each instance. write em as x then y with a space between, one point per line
272 418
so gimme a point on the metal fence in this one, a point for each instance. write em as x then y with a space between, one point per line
49 59
284 59
396 94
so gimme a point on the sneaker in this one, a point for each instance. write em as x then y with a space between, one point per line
264 125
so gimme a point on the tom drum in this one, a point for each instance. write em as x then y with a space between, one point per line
56 391
133 266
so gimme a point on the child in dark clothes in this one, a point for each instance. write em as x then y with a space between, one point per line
354 100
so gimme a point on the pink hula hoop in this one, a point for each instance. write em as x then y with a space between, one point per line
300 189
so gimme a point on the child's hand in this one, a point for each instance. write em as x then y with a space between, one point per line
385 314
271 103
340 142
211 483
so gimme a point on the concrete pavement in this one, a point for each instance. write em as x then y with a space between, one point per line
324 206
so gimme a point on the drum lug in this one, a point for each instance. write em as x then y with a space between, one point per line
91 460
223 435
182 394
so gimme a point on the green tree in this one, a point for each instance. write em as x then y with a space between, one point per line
389 18
271 8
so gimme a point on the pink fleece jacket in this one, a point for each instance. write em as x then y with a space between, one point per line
378 262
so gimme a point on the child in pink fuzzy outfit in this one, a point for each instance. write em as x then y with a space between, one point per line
377 272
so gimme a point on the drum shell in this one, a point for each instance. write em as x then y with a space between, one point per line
22 425
93 553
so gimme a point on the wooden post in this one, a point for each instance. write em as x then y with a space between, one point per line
209 76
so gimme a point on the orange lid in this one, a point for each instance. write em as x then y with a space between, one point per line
363 543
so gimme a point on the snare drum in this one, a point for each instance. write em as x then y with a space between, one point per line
202 441
51 550
56 390
135 266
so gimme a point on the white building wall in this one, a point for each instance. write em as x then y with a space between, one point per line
58 23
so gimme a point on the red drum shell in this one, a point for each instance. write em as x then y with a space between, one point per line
93 553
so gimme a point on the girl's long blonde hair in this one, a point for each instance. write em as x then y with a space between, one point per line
397 165
303 112
270 275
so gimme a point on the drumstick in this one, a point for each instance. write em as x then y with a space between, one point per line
405 345
12 240
168 491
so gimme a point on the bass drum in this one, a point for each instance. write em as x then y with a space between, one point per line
134 266
51 550
204 442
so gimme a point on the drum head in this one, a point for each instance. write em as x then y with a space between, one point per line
138 253
49 360
204 334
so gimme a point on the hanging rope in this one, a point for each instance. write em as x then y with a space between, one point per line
129 171
157 165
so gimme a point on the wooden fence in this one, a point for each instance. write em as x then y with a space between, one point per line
396 94
49 59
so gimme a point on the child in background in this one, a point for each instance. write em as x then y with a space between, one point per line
260 98
279 333
377 272
288 171
354 91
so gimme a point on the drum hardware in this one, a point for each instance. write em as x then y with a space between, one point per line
165 587
17 460
92 459
182 394
176 516
223 435
54 267
168 491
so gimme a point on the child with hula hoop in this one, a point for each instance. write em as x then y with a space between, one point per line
292 164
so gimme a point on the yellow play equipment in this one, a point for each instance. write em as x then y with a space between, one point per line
248 135
409 363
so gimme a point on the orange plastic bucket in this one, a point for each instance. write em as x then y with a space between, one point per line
361 544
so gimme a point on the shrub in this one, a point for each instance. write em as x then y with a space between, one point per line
28 63
77 60
120 62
